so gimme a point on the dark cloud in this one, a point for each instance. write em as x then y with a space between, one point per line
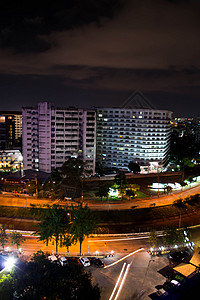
109 47
23 23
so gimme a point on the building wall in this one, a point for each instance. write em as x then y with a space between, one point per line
16 116
52 135
7 131
11 159
139 135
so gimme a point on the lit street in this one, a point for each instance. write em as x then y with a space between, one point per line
99 150
142 274
162 200
129 251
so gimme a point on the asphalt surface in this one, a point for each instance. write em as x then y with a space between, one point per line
192 189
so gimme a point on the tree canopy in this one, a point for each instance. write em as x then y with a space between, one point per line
134 167
16 238
3 236
83 223
42 279
54 224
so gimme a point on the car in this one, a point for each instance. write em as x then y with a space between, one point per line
97 262
62 260
167 285
84 261
175 282
161 292
178 256
74 260
53 258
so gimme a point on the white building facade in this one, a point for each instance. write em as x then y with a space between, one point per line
51 135
11 159
141 135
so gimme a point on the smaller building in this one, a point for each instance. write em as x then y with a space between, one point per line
11 159
10 129
187 269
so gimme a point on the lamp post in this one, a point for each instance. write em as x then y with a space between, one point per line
179 223
36 186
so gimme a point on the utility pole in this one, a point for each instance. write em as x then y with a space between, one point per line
82 189
179 224
36 186
158 184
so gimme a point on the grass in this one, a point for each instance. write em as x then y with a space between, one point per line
104 199
141 194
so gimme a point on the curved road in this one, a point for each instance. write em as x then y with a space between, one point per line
139 203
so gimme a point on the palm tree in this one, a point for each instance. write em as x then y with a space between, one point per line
16 239
83 224
153 238
54 225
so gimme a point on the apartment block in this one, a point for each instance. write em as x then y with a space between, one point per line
51 135
10 129
137 132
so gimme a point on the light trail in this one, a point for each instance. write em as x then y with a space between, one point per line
116 285
121 259
122 282
123 239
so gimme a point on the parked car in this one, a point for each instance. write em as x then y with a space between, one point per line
74 260
178 256
167 285
53 258
85 261
161 292
63 260
175 282
97 262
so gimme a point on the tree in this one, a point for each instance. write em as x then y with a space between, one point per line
134 167
40 279
83 223
103 191
69 178
72 171
179 203
32 187
16 238
153 238
120 180
187 162
167 189
172 236
54 224
7 282
3 236
131 190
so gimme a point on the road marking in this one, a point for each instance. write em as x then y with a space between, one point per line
121 259
116 285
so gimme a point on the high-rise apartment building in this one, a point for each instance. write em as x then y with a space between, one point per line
136 131
51 135
10 129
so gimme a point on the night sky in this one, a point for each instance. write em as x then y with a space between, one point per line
97 52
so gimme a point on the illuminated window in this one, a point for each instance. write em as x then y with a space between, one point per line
2 119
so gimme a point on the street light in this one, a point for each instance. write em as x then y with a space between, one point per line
10 262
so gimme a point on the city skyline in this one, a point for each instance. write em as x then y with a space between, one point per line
99 52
